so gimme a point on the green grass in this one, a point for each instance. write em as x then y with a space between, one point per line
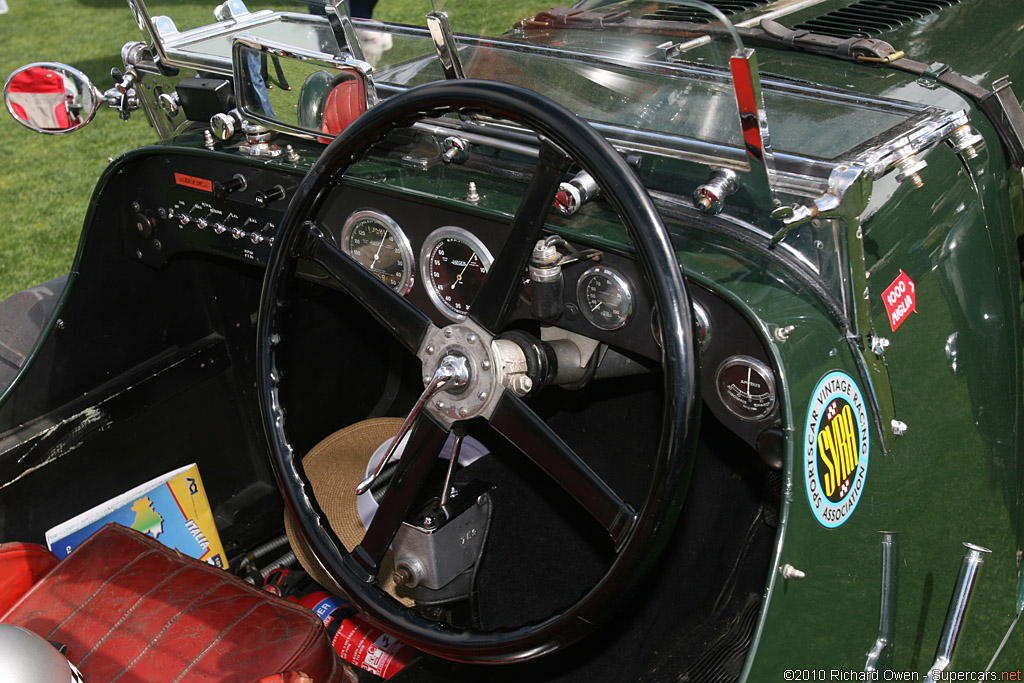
46 181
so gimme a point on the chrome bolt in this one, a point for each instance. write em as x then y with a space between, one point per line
290 154
430 350
472 195
486 365
471 338
448 332
402 576
899 428
463 412
428 522
782 333
453 492
879 345
482 395
788 571
440 405
426 379
521 384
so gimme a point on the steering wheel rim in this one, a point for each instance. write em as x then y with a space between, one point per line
638 544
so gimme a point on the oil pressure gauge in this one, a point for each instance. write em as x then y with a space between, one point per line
747 387
605 298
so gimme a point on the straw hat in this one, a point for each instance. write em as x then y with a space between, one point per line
335 466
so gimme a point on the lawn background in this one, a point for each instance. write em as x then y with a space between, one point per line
46 180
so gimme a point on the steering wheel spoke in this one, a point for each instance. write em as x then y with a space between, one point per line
406 322
498 292
514 420
425 443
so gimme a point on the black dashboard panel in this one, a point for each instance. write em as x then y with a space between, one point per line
186 203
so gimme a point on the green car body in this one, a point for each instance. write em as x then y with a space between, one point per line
915 319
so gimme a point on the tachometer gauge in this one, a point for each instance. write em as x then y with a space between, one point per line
747 387
605 297
376 242
454 264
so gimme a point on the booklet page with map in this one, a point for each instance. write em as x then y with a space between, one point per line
172 508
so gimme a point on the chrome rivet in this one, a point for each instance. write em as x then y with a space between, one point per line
463 412
440 405
486 365
788 571
482 395
430 350
448 332
782 333
471 338
426 379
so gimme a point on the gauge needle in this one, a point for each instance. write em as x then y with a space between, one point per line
377 255
596 307
458 278
749 370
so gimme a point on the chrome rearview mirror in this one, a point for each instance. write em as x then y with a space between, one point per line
315 94
51 98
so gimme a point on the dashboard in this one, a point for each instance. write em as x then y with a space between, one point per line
437 255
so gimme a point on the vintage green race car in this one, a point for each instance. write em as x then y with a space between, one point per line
638 341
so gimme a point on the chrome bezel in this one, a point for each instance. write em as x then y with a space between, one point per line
759 367
464 236
392 227
617 279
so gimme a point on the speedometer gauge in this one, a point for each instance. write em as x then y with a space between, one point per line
605 298
454 264
379 245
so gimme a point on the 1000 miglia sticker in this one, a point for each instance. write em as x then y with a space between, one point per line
836 445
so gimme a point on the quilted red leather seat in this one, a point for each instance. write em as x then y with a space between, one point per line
132 611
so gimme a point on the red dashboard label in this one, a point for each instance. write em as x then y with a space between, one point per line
900 299
193 182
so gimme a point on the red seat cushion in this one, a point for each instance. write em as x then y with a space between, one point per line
21 566
132 611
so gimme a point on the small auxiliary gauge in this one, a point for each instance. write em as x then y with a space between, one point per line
454 264
377 242
605 297
747 387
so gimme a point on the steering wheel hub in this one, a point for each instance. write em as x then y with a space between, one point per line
467 345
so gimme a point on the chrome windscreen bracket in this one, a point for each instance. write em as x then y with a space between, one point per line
444 44
344 31
754 124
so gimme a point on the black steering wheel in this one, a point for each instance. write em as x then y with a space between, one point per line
637 534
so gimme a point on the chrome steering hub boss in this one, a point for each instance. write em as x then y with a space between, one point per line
490 365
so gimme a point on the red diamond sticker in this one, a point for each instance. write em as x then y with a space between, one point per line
900 300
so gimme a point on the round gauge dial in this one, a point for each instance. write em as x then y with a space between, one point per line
747 387
605 297
454 264
378 244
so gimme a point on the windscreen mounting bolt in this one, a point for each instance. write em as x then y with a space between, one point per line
788 571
